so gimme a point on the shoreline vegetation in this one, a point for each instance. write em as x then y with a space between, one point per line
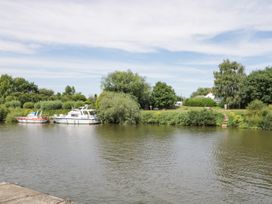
128 99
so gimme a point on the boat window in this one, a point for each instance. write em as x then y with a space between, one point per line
85 112
74 115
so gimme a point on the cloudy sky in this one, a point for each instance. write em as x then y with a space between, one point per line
181 42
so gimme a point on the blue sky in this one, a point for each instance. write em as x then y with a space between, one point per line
181 42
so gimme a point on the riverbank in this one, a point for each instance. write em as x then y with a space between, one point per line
199 116
183 116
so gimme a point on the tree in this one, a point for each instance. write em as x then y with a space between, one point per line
130 83
201 92
258 85
119 108
163 96
69 90
6 85
228 82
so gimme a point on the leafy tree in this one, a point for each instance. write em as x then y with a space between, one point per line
23 86
46 92
163 96
6 85
130 83
119 108
201 92
69 90
228 81
258 85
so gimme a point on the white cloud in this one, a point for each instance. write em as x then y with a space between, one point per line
137 26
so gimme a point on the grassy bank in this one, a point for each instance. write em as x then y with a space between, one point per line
197 116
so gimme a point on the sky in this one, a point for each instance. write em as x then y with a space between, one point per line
55 43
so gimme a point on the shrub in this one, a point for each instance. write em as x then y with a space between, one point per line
235 120
48 105
163 117
28 105
117 108
13 104
200 102
266 122
79 104
256 105
11 116
68 105
3 113
201 118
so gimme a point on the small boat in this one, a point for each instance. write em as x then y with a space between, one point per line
77 116
33 117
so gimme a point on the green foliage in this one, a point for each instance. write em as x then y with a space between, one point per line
256 105
130 83
13 104
266 121
117 108
201 92
11 116
192 118
68 105
69 90
3 113
258 85
79 104
48 105
228 82
28 105
200 102
163 96
201 118
163 117
236 120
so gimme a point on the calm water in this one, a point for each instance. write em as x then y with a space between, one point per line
145 164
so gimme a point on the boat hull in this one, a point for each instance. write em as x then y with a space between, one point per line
32 120
75 121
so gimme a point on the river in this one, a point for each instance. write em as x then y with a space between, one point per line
139 164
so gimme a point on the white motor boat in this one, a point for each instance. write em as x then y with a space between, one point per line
76 116
33 117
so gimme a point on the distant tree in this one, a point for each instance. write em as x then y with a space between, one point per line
119 108
46 92
69 90
6 85
130 83
258 85
23 86
228 82
163 96
201 92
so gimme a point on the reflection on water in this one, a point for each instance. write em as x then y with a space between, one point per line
139 164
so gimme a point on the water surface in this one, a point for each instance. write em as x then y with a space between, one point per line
143 164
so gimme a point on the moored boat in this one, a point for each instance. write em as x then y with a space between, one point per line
33 117
76 116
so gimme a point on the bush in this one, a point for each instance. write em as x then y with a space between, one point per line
163 117
13 104
117 108
266 122
68 105
28 105
235 120
79 104
11 116
48 105
256 105
3 113
201 118
200 102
